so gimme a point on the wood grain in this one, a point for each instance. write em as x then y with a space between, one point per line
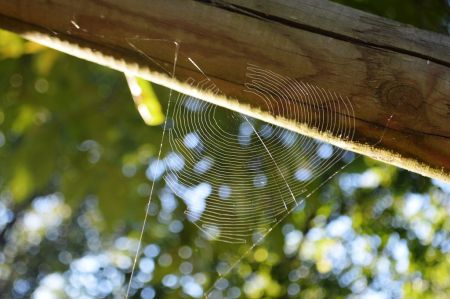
388 70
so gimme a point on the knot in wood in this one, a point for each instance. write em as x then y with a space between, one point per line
400 96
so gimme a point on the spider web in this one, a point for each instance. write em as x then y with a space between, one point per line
239 176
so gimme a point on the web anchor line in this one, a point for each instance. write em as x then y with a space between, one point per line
274 162
144 224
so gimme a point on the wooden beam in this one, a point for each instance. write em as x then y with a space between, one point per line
397 77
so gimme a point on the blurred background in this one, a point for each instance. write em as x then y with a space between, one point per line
77 164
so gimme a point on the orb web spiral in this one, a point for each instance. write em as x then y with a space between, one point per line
238 175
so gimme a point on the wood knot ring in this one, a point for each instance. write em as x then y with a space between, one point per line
400 96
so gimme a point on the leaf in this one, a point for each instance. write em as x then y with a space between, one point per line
45 60
146 101
21 184
11 45
24 120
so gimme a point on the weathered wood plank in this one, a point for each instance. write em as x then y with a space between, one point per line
388 70
341 22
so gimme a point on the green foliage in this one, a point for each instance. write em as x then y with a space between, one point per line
431 15
146 101
48 124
